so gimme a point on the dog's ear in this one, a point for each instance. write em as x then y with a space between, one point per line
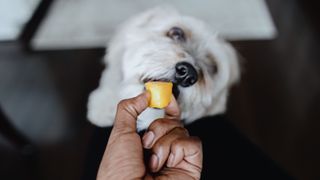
229 59
233 57
229 74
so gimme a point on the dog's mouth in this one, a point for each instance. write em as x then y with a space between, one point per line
175 88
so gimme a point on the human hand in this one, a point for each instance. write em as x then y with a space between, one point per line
123 157
175 154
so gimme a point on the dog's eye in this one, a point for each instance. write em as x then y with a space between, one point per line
176 34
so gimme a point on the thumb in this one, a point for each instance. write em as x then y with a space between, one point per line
127 112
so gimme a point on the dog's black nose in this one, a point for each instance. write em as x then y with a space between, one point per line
186 75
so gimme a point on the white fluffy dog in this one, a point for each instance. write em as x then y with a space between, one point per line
161 44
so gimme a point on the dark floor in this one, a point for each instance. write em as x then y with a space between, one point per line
276 104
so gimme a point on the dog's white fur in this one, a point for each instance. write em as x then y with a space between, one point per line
140 49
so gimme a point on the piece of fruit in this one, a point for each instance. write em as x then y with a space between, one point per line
161 93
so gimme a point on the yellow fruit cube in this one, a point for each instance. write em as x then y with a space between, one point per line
161 93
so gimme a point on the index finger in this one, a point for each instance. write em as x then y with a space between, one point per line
172 111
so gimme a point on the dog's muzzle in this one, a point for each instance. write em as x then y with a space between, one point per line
185 76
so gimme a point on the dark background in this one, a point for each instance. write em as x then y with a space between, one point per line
276 104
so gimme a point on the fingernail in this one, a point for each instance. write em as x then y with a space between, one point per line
170 160
154 162
148 139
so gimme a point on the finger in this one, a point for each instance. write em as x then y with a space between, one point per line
186 149
128 111
148 177
161 149
172 111
157 129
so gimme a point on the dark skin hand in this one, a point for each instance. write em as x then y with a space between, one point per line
175 154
